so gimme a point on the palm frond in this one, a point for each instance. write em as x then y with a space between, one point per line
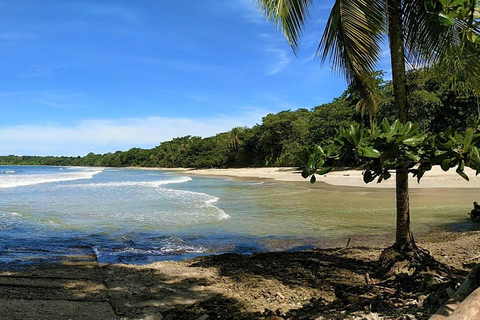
425 38
288 15
429 43
352 39
461 64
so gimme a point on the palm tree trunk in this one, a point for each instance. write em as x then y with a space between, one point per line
404 240
397 54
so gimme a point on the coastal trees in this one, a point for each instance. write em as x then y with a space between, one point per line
352 40
279 136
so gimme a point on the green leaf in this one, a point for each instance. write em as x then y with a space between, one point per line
457 3
420 175
396 125
320 163
425 167
355 133
412 156
303 156
369 152
385 126
445 165
474 152
462 173
324 170
445 144
386 175
445 20
468 138
471 122
313 179
471 36
444 2
312 164
405 128
305 174
413 142
367 176
318 151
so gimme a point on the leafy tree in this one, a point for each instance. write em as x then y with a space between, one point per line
281 135
352 39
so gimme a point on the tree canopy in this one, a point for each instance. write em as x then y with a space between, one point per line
280 136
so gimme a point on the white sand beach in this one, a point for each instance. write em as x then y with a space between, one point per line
436 178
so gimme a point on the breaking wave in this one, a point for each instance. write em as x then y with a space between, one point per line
12 180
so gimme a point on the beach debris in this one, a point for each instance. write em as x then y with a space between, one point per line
346 246
466 261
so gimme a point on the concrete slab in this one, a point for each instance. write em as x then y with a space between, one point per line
55 310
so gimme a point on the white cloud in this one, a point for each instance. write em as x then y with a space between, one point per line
101 136
248 9
282 60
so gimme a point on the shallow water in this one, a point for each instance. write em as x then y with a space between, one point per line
136 216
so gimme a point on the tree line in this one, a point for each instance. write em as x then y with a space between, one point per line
277 140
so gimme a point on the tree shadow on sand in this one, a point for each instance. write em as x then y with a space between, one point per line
333 284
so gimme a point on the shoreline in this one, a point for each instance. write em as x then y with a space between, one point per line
435 178
316 284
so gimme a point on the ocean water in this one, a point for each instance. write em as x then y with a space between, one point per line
138 216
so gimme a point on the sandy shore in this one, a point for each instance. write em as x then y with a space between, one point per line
436 178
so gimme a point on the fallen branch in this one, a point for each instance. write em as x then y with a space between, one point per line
469 309
346 246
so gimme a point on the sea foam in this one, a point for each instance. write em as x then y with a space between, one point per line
13 181
152 184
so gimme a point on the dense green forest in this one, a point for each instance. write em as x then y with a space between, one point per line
434 104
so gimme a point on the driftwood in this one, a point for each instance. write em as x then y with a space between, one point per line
469 309
465 302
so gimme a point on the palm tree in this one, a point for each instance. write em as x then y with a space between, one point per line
234 142
352 41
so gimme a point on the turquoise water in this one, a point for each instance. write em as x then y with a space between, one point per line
136 216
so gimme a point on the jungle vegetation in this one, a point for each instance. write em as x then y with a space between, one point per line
279 137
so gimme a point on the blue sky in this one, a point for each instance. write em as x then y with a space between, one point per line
101 76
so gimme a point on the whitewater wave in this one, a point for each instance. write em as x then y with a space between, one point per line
180 207
133 254
206 200
153 184
222 215
13 181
